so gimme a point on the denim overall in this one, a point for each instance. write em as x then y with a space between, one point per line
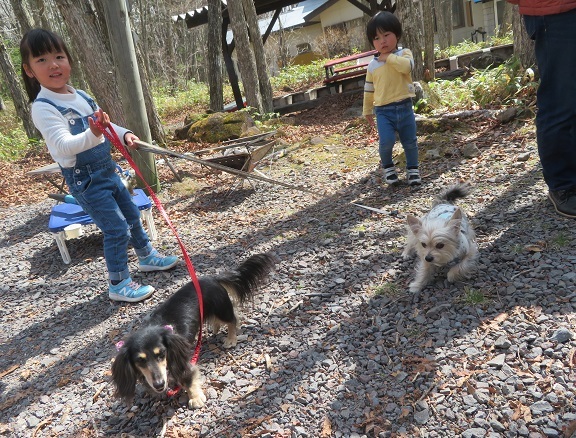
98 189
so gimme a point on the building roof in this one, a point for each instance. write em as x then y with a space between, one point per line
299 15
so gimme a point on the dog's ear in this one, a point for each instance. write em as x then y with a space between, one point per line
124 375
178 354
414 223
455 221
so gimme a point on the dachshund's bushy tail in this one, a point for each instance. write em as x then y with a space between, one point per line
245 280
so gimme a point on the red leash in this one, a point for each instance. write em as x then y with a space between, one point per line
111 135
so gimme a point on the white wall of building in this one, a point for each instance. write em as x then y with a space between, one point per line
339 12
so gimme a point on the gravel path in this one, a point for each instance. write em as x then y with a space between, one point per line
333 346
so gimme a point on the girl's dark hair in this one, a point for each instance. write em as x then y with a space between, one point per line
37 42
385 22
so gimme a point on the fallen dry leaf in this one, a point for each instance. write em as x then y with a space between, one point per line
326 428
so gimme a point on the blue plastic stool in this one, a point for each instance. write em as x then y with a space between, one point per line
63 215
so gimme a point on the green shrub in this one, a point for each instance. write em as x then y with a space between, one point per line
298 77
489 88
13 141
468 46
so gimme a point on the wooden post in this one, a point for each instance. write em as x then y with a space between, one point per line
124 54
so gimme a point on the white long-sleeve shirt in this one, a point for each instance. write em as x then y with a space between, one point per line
54 127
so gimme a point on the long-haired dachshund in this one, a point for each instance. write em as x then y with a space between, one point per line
161 349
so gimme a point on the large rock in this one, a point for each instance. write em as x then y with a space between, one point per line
182 133
219 127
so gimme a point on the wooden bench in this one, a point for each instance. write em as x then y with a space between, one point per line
334 74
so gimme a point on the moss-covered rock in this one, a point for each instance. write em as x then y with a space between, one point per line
219 127
189 120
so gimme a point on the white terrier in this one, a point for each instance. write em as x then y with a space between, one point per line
442 236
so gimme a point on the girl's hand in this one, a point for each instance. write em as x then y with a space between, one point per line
101 117
129 139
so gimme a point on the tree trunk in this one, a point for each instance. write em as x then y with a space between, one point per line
214 55
259 56
23 17
523 45
156 129
506 20
246 61
410 16
41 14
443 13
18 97
428 21
95 59
171 71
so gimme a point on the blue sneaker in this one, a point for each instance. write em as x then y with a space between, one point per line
130 291
156 262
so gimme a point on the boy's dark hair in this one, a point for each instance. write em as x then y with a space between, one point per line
385 22
37 42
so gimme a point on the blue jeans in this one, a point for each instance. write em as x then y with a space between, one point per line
397 117
555 48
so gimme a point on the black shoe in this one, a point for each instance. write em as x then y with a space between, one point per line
564 201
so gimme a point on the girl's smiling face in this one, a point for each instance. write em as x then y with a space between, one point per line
385 41
51 70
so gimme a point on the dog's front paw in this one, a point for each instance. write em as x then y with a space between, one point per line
232 338
453 276
197 399
230 343
458 272
415 287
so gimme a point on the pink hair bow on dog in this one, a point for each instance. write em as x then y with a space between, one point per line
120 344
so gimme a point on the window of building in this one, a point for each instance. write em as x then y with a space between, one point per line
459 13
303 48
458 17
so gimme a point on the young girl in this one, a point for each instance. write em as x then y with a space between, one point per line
65 117
388 93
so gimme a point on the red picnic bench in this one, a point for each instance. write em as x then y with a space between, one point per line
348 71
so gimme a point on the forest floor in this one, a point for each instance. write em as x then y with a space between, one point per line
333 345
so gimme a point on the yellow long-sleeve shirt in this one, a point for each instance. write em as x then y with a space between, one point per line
388 81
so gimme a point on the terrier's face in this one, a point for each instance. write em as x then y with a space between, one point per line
436 240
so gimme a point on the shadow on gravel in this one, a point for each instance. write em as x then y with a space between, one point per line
46 339
378 355
25 231
388 345
83 250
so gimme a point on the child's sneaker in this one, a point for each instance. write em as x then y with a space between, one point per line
156 262
413 177
390 176
130 291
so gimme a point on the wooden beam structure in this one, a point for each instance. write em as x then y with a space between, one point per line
199 17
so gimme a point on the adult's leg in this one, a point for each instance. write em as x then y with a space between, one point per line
555 48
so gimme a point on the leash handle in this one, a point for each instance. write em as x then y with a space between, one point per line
111 135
